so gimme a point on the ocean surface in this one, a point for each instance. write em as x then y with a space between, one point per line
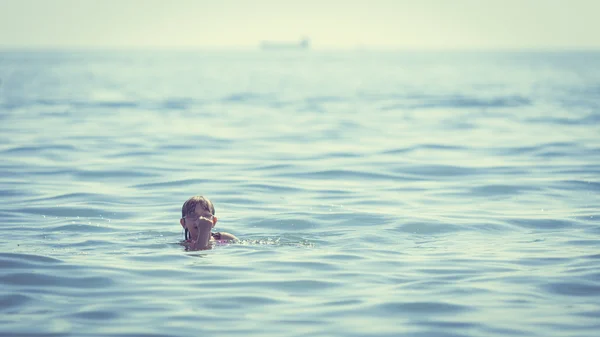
374 193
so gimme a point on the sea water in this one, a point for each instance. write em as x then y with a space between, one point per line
374 193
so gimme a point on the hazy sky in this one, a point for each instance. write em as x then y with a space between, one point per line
417 24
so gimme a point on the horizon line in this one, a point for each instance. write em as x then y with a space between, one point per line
245 48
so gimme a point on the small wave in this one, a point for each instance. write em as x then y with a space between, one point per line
71 212
77 197
108 104
418 308
441 147
589 119
80 228
578 185
521 150
174 183
177 104
345 174
247 97
459 102
582 289
15 260
46 280
286 224
500 190
272 167
114 174
439 170
100 315
324 99
542 224
429 228
13 301
584 243
338 257
40 148
269 188
6 193
141 154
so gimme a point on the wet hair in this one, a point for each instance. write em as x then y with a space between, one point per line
189 206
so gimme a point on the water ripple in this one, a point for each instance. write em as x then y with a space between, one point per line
543 224
14 260
8 303
344 174
459 102
167 184
582 289
410 196
418 308
37 280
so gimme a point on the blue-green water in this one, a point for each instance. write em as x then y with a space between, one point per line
375 193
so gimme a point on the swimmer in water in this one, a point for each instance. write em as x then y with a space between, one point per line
198 219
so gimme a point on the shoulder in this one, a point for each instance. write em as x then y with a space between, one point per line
228 236
224 236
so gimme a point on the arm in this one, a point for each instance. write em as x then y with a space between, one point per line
228 237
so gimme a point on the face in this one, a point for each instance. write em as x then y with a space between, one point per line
199 221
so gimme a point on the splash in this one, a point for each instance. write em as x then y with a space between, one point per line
276 242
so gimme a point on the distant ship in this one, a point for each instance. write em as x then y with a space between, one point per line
272 45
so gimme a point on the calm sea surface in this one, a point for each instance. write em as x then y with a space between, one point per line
375 193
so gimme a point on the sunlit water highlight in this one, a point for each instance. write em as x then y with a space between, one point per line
376 194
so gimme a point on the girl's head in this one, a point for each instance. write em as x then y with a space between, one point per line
197 214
